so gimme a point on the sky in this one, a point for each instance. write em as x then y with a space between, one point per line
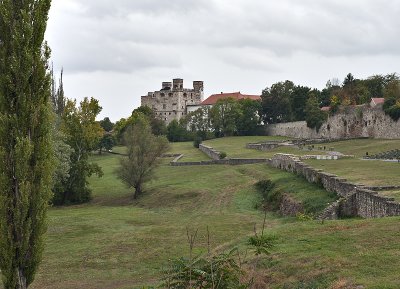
117 51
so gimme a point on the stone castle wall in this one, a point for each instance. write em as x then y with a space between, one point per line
348 122
356 200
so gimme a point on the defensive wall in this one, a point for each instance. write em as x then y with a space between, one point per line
356 200
212 153
347 122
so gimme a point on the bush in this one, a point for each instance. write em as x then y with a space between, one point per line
197 141
222 155
271 196
264 186
261 244
204 272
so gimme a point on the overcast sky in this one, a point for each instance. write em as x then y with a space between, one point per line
118 50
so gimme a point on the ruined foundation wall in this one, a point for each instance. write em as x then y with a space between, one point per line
348 122
356 200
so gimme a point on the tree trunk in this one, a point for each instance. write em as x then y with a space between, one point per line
21 280
138 191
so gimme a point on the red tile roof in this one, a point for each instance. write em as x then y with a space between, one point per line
235 95
377 100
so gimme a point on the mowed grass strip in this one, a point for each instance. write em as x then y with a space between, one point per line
366 172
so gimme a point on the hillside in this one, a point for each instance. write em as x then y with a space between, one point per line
114 242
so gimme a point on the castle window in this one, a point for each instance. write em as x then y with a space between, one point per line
162 94
170 94
164 106
184 95
169 113
182 107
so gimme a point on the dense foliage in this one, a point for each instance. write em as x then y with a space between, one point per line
285 101
25 139
83 134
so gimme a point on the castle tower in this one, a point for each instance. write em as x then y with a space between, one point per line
198 86
177 84
166 85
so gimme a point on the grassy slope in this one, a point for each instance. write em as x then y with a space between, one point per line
116 243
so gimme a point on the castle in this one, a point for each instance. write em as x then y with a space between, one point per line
172 100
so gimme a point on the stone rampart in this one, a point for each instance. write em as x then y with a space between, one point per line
231 162
266 146
348 122
212 153
356 199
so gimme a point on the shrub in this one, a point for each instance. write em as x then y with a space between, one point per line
392 107
271 196
264 186
222 155
197 141
261 244
205 272
274 199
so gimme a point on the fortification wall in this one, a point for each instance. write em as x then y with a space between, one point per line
356 199
212 153
231 162
348 122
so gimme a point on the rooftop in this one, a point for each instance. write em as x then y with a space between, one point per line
235 95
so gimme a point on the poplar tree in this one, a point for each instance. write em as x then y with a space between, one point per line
25 146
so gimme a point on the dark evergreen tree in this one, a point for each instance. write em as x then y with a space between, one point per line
25 142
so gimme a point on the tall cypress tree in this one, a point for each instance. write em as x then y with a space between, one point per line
25 146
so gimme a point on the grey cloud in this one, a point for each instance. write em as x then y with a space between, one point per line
131 35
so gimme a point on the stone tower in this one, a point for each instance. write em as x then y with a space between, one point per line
171 101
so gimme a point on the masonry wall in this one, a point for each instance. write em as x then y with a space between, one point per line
212 153
348 122
356 200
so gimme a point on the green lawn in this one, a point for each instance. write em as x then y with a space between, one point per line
235 147
359 147
190 153
366 172
115 242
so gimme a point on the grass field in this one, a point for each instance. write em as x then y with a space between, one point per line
114 242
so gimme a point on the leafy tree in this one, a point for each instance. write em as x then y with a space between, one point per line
25 139
299 97
106 142
223 116
57 95
315 117
176 131
392 99
157 125
199 122
106 124
276 102
144 151
62 152
83 134
249 119
335 102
